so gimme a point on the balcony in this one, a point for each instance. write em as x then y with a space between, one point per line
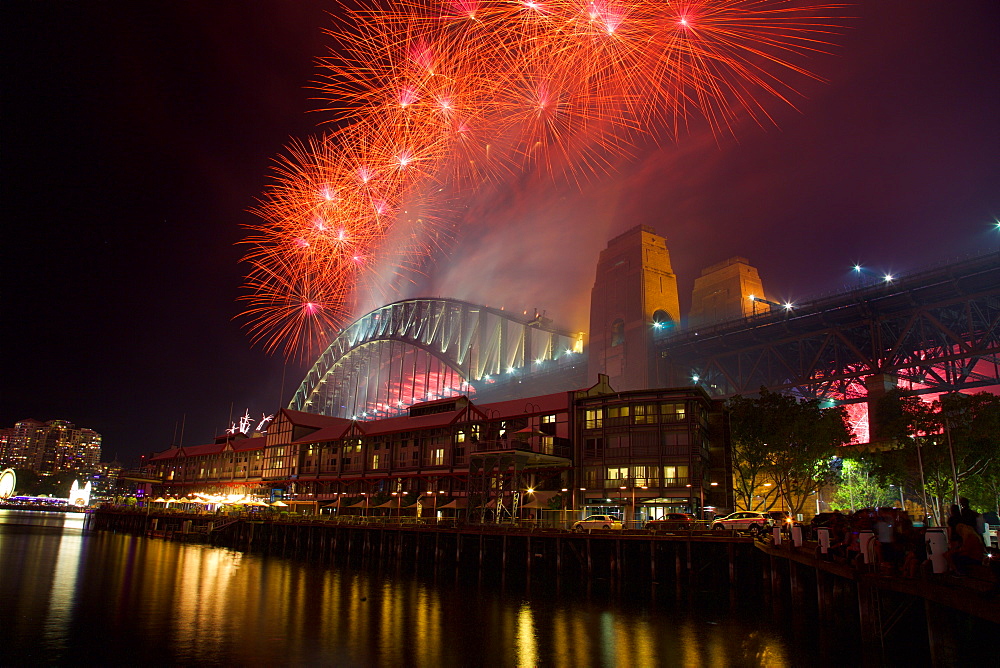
524 445
629 483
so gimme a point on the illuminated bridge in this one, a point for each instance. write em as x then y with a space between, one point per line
422 349
930 332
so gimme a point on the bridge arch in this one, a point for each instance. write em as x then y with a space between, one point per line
422 349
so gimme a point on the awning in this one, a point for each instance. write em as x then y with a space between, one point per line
394 503
539 500
459 503
363 503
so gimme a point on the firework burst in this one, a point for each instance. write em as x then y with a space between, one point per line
431 98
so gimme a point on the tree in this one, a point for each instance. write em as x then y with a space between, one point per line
929 436
787 441
861 487
752 451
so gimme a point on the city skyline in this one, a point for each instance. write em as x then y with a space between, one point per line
137 141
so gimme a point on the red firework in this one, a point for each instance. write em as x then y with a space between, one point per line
431 97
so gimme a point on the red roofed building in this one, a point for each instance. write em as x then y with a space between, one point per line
580 448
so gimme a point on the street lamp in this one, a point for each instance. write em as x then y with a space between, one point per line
633 499
622 490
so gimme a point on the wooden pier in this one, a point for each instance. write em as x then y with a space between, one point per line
875 606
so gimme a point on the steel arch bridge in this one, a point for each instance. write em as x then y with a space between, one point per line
423 349
931 332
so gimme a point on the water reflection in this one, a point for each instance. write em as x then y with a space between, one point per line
527 652
67 565
106 599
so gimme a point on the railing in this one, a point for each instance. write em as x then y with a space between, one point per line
614 485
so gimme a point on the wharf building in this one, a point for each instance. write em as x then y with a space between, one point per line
637 454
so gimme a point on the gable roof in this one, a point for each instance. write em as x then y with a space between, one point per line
546 403
244 444
407 423
331 433
236 445
169 453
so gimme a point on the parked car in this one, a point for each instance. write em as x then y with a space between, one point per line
597 522
823 520
744 520
675 521
781 518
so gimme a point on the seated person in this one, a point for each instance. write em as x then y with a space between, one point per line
969 550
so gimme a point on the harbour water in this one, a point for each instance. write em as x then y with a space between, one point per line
72 597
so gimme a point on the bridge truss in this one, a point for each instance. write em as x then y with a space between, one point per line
423 349
928 333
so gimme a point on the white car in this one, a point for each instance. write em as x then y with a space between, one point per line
746 520
597 522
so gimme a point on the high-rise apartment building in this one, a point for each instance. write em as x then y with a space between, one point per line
50 447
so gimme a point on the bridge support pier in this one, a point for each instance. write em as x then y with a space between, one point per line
824 596
775 580
868 616
941 634
795 584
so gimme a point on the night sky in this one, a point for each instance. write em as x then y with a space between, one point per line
136 137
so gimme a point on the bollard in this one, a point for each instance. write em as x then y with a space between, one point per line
776 532
937 545
865 539
823 533
797 536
